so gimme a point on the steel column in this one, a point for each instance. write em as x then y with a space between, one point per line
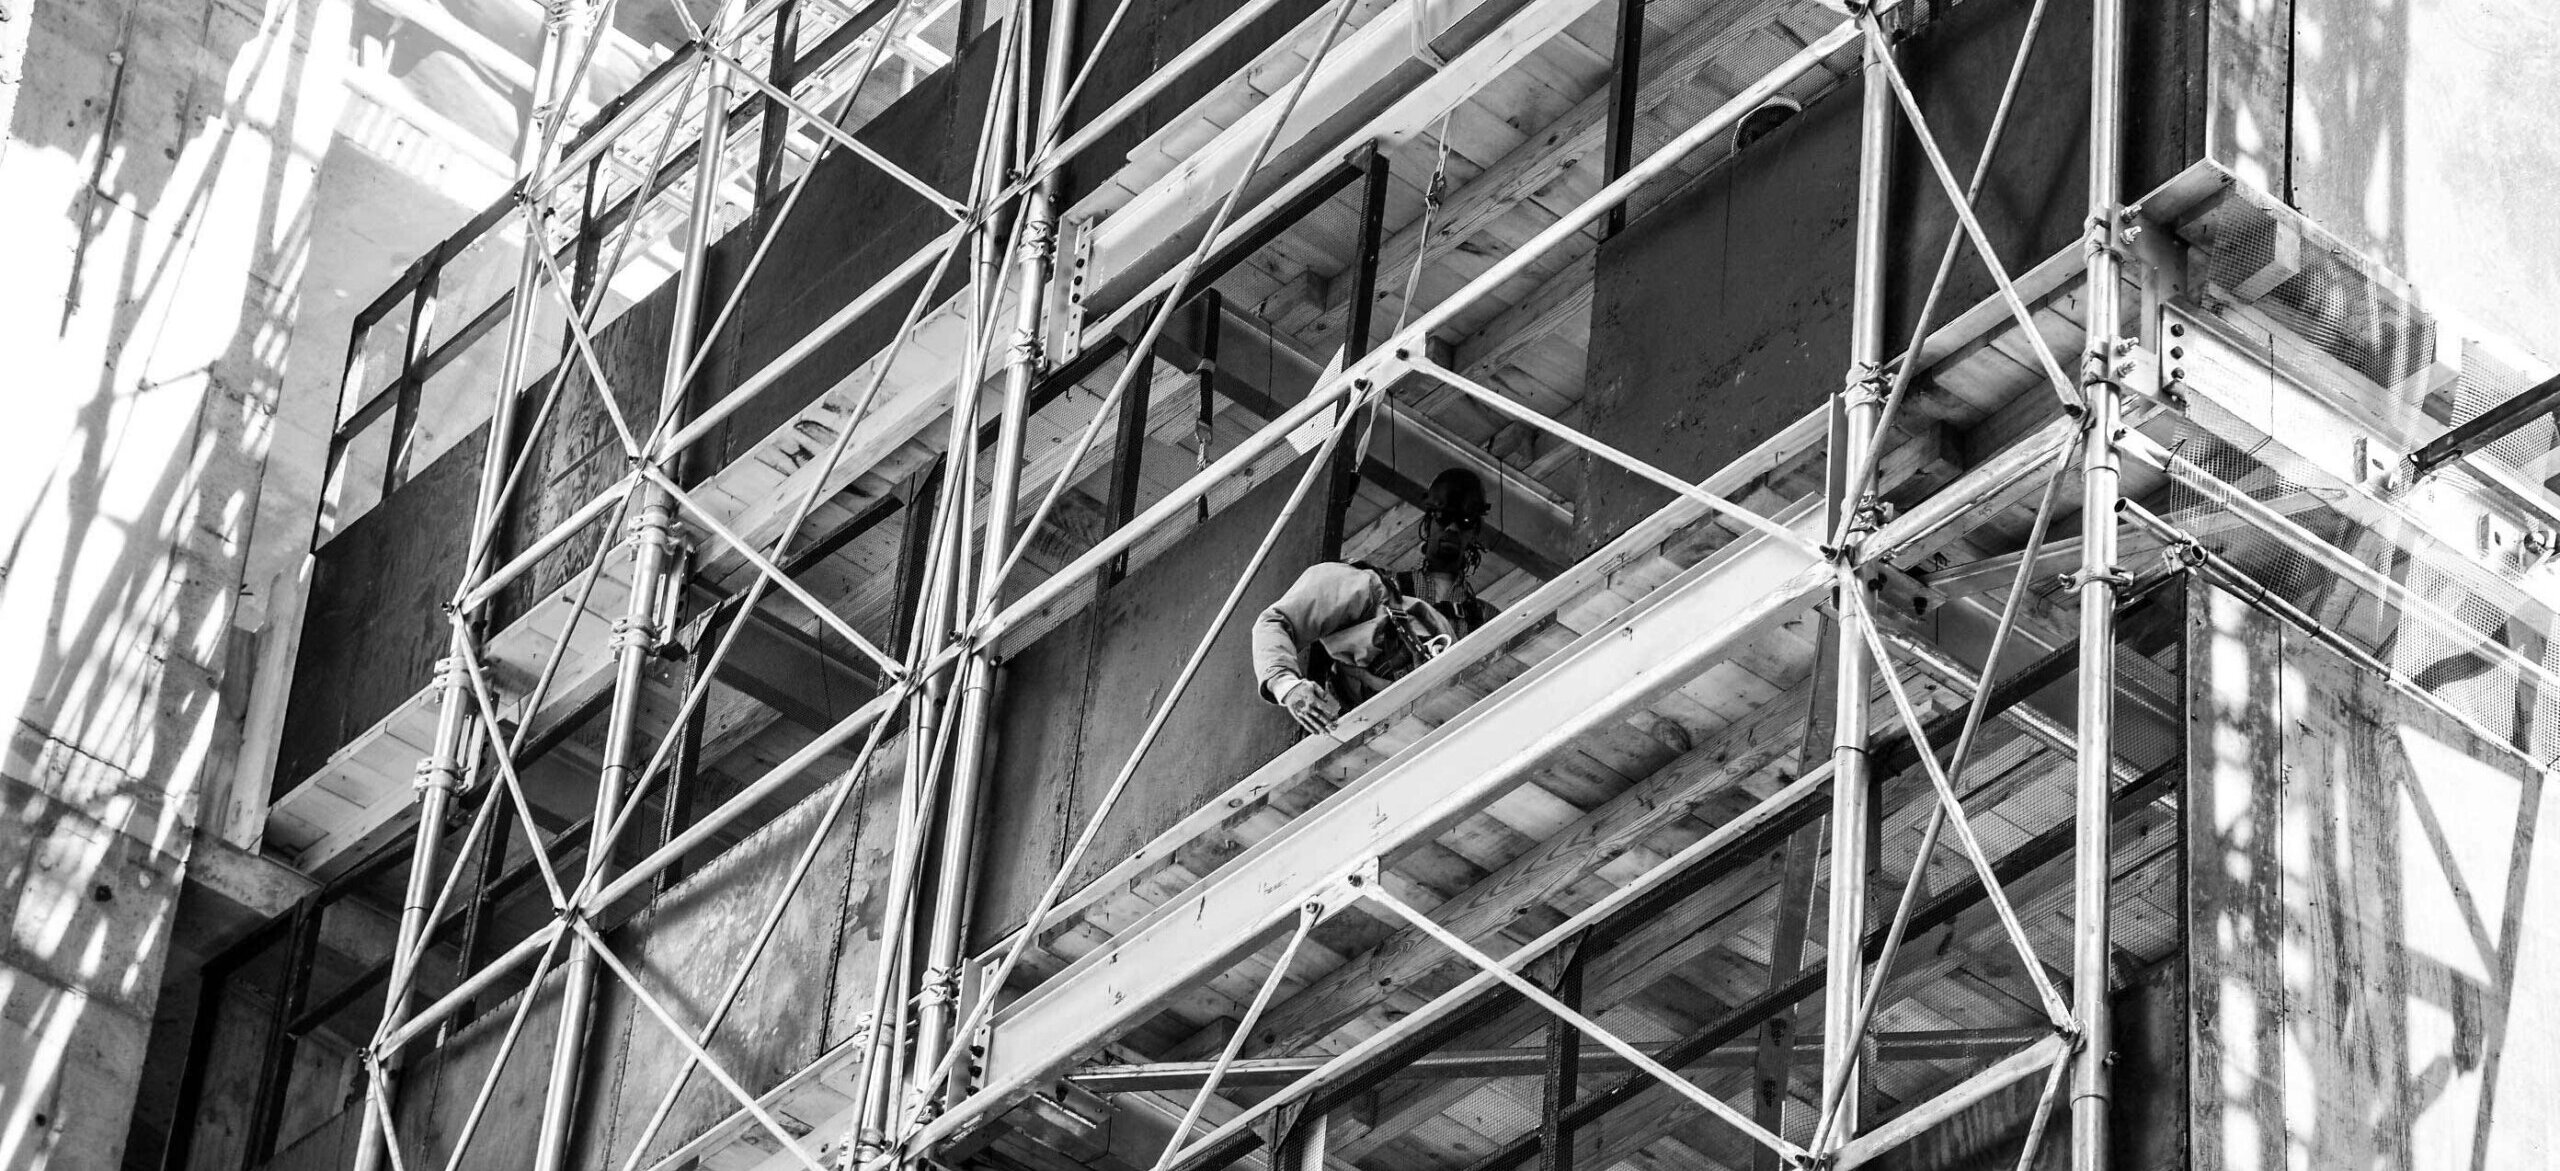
956 865
1343 480
1212 308
1563 1067
2100 578
275 1059
1626 84
654 539
1852 790
1128 458
773 135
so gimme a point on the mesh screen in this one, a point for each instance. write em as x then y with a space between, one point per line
2454 628
2262 256
2449 624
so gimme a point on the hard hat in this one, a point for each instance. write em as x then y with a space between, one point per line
1456 495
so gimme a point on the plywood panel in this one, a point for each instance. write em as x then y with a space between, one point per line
687 947
376 623
1076 701
800 999
2370 918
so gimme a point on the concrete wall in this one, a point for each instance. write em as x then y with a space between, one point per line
1753 259
156 182
2417 131
2374 974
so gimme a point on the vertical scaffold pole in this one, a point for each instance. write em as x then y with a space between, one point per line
1851 784
2099 580
654 539
957 871
440 772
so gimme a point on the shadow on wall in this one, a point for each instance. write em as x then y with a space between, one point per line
161 154
2371 949
2418 131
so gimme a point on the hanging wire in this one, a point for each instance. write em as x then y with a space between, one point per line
1434 194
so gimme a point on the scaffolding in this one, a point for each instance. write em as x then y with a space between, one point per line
952 1043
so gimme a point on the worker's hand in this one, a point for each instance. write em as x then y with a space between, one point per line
1313 707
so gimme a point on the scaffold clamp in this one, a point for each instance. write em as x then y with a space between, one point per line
2117 578
431 776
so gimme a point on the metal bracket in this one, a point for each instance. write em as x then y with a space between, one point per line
1069 341
1549 968
2171 367
1282 1120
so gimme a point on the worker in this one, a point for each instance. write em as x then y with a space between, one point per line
1345 630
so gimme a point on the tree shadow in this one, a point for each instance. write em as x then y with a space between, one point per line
184 228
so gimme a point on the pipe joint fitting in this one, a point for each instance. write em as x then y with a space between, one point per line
2111 233
2116 578
629 634
653 529
2183 554
1870 514
441 778
940 986
1039 238
1866 386
2108 363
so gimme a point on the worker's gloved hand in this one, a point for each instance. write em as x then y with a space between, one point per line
1313 707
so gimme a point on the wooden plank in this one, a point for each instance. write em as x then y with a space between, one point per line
1691 785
